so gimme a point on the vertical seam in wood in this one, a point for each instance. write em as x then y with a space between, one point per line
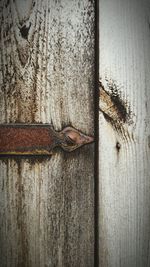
96 130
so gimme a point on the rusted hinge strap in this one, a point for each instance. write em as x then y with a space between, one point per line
38 139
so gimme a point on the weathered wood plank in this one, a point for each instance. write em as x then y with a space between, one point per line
47 75
124 128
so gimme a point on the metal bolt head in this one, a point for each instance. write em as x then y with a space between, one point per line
74 139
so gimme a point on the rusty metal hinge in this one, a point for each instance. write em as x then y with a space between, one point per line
38 139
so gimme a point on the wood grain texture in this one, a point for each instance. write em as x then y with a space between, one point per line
124 147
47 75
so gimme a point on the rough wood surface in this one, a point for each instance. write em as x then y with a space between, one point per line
47 75
124 127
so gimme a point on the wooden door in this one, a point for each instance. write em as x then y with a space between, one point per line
47 73
124 133
47 76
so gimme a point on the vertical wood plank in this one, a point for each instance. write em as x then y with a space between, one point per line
124 127
47 75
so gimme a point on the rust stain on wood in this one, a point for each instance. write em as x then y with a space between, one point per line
40 82
21 213
24 139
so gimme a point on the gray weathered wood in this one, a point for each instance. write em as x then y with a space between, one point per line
124 147
47 75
